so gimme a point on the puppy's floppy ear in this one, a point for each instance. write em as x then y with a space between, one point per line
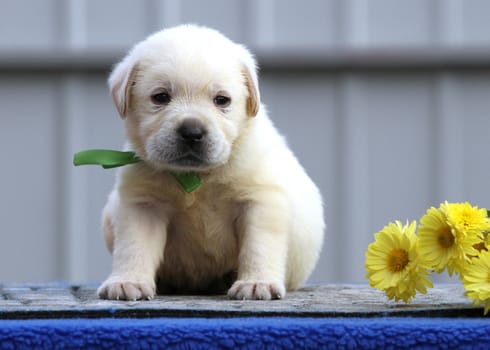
120 82
253 100
249 71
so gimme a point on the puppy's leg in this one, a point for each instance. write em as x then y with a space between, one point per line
108 230
139 241
263 251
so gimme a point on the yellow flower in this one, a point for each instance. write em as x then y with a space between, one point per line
447 235
468 219
392 262
476 280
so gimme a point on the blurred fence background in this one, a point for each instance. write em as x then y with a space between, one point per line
385 102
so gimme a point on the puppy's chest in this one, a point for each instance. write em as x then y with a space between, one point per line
208 219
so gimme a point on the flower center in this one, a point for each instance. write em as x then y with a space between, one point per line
445 237
397 260
465 221
480 246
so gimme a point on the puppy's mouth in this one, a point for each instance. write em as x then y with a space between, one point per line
179 158
189 159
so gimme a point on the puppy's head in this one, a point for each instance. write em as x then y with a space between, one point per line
185 93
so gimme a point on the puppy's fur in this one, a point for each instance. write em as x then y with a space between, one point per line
190 99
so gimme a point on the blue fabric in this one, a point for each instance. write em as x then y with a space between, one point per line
247 333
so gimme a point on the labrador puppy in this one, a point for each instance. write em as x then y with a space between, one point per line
254 227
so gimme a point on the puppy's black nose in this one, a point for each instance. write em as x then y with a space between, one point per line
191 131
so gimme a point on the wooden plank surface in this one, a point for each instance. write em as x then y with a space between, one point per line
55 300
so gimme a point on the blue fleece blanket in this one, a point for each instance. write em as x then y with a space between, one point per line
247 333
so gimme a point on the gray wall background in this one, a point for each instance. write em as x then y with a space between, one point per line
385 102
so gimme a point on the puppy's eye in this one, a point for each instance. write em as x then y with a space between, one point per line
161 98
222 101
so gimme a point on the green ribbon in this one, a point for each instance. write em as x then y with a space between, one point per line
105 157
108 159
189 181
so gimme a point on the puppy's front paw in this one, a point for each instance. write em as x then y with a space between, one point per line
119 289
257 290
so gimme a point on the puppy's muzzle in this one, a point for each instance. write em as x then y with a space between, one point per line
192 133
191 145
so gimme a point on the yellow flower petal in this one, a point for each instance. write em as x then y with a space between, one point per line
476 280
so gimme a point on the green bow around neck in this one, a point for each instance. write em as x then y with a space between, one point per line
108 159
105 157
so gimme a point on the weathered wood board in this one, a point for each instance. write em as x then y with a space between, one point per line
55 300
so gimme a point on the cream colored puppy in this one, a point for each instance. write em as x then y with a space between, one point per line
191 103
